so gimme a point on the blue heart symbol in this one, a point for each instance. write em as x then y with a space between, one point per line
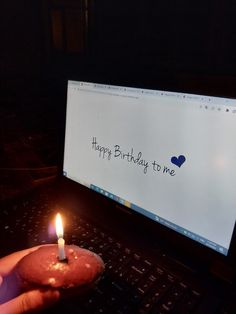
178 161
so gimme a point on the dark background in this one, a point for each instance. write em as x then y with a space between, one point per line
183 45
168 44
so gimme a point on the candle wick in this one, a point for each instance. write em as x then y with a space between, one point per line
64 260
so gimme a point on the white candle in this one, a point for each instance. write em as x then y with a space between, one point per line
60 241
61 249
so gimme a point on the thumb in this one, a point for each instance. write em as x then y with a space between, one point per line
30 302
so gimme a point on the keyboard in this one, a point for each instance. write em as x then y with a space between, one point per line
131 283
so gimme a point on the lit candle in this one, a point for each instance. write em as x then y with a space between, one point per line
60 241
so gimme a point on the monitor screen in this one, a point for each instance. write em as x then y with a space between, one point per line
167 155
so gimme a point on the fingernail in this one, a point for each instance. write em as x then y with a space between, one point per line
51 295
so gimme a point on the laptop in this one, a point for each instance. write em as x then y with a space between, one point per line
152 173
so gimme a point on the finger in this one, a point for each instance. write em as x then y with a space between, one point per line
8 262
31 301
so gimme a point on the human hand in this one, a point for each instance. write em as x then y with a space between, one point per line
12 301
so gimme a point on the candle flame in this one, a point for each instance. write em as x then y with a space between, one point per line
59 226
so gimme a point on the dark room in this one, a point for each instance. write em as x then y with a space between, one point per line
117 149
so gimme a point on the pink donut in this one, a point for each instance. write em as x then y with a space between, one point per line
42 268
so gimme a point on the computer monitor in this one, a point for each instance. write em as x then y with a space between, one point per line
166 155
